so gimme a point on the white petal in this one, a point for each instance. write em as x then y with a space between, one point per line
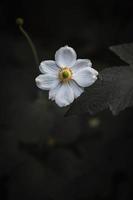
47 81
53 92
81 64
93 71
85 77
77 90
49 66
65 57
64 95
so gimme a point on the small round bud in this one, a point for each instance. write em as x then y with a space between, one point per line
19 21
94 122
51 141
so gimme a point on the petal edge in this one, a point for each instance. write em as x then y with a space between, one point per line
65 57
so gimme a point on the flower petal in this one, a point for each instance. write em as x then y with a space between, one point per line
47 81
64 96
53 92
77 90
85 77
81 64
65 57
93 71
49 66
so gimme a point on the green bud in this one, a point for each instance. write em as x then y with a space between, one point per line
19 21
94 122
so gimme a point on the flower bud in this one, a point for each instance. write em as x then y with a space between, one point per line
19 21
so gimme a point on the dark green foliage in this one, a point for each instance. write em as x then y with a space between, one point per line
124 51
113 89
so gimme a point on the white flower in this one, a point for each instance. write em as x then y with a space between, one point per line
66 77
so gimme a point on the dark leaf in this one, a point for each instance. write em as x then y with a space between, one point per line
124 51
113 90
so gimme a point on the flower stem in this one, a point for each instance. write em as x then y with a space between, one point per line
20 22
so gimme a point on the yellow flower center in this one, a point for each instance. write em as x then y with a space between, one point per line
65 74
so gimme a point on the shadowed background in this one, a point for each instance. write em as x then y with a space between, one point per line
44 155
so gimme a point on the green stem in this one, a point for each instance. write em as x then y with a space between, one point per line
31 44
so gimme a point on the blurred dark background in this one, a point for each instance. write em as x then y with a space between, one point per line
44 155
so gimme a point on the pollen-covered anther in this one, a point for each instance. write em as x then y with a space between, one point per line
65 74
